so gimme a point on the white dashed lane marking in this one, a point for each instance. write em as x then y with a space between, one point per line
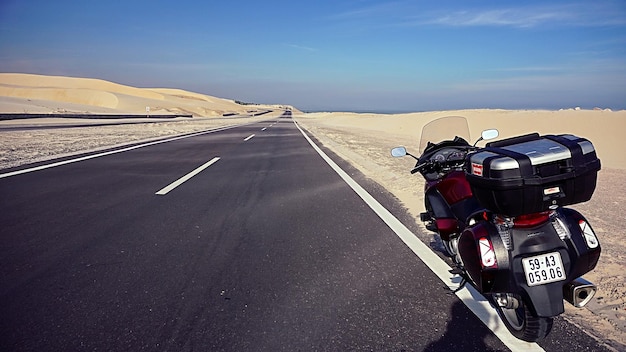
180 181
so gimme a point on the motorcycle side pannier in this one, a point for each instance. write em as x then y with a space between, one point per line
533 173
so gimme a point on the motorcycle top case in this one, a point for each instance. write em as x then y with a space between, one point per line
533 173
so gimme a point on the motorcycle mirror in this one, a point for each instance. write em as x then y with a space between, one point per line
489 134
398 152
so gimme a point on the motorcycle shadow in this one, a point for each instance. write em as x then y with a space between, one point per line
465 332
437 246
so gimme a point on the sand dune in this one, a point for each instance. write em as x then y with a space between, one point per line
76 95
70 83
184 94
27 93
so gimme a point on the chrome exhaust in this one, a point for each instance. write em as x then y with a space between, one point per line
579 292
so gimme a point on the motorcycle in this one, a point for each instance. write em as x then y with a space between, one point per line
500 213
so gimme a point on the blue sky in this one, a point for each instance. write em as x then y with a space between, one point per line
334 55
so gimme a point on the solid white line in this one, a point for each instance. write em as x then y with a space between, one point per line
178 182
468 295
248 138
93 156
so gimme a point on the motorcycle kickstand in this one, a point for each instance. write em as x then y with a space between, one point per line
464 280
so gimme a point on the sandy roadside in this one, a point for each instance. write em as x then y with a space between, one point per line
19 147
368 148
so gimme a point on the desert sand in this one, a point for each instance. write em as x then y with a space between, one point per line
362 139
27 93
366 140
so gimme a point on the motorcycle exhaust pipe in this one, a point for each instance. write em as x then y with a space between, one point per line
579 292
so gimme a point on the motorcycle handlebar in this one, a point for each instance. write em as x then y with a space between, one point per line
436 165
420 167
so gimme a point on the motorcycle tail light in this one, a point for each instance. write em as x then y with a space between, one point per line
487 254
530 220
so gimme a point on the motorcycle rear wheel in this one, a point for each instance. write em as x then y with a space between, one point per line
522 323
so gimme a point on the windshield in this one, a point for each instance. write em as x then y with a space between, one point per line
443 129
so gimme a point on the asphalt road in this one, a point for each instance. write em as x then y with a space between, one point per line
264 249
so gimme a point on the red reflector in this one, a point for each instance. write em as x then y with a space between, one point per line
487 254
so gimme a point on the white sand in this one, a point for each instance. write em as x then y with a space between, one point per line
25 93
363 139
366 140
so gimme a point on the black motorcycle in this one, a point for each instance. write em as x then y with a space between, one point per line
499 212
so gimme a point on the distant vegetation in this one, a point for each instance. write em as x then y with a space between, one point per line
244 103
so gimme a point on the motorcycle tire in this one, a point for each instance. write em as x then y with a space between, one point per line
522 323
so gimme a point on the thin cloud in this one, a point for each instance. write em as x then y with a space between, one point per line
302 47
529 69
372 11
412 14
529 17
522 18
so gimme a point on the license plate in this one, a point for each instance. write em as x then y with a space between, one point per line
543 269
